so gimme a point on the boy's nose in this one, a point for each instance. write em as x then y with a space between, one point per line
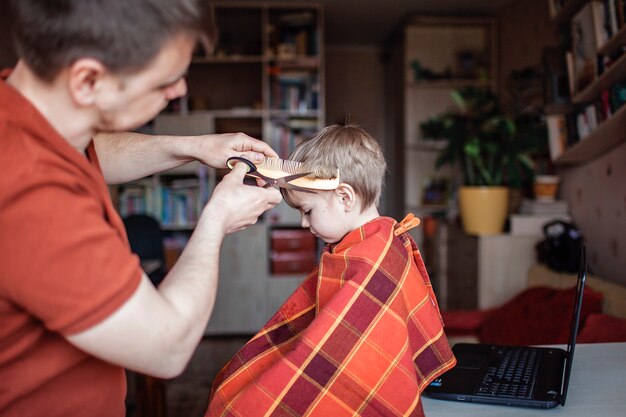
304 223
177 90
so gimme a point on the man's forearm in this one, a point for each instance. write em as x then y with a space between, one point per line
129 156
191 289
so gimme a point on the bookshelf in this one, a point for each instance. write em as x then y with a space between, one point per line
265 78
431 71
606 137
596 115
428 58
563 10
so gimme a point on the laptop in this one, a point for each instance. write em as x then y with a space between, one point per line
523 376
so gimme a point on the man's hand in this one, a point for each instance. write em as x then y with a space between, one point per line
214 150
237 205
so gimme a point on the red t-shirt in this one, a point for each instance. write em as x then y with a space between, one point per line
65 265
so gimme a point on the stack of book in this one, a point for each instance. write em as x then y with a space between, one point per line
535 214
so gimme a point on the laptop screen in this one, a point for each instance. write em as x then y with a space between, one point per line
571 344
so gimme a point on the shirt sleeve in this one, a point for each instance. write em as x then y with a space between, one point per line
67 264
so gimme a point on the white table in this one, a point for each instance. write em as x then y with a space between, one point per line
597 388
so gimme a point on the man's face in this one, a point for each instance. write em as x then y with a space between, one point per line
128 101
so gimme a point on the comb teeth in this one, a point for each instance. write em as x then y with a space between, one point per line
276 167
285 165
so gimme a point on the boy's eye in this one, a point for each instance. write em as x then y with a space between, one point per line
306 212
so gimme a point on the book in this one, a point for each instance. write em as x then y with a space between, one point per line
587 27
532 224
620 9
556 89
571 76
557 134
556 207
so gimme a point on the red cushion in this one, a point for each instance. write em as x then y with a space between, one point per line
538 315
603 328
463 322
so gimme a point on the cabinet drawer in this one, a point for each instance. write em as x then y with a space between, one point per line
292 262
292 240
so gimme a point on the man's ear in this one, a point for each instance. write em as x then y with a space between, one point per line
85 78
346 195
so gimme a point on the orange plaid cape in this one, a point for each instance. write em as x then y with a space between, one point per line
362 335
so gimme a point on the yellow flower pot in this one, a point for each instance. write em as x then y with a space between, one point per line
483 209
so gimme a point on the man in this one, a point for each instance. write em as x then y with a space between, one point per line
75 307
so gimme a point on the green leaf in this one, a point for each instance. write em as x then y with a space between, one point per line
472 148
458 99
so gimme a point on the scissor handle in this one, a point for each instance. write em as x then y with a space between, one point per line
269 182
251 166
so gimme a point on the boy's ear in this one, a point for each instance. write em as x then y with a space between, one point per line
346 195
85 78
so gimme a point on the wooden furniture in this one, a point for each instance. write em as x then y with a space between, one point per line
480 272
596 388
609 132
265 78
439 55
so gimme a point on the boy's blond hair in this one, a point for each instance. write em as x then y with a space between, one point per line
350 149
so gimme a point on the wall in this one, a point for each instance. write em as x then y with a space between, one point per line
524 30
595 191
355 89
7 56
597 198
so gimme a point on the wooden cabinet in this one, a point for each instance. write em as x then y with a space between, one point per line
481 272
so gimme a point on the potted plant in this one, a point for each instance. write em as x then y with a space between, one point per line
494 151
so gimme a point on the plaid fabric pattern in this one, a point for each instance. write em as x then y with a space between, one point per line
362 335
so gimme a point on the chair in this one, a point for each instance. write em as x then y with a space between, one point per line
146 240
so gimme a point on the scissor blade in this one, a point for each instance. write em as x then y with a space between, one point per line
290 178
284 182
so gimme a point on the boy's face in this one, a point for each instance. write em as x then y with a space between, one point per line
324 214
130 100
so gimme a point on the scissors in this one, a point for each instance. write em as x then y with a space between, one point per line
283 182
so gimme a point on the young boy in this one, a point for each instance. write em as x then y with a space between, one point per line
362 335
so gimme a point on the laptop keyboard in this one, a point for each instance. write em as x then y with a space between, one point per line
511 373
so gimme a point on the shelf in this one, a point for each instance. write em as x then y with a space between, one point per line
428 209
607 136
236 113
185 169
451 83
178 227
427 145
294 113
302 62
616 42
612 75
570 8
562 108
228 59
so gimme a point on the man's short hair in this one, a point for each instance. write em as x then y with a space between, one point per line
124 35
351 149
